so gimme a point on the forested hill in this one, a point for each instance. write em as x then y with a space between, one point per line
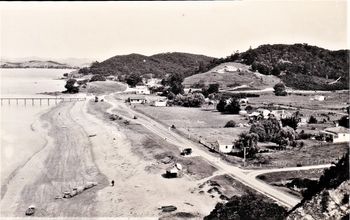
158 65
300 66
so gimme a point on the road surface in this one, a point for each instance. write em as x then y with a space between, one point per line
239 174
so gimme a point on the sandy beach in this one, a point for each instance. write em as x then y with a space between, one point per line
81 147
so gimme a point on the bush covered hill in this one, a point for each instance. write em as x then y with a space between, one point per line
158 65
300 66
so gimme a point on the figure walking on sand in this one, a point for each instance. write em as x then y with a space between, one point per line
112 182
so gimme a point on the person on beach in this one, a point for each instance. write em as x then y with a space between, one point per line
112 182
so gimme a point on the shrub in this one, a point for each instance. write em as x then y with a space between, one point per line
249 108
344 121
312 120
133 79
252 207
189 100
71 87
280 89
230 124
97 78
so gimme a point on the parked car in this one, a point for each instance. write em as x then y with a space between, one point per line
186 151
30 210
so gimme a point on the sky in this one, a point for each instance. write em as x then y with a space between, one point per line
99 30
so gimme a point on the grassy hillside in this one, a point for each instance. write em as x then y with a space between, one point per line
300 66
159 65
232 76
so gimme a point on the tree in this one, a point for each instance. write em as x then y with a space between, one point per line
84 70
71 86
266 129
97 78
275 71
233 107
133 79
344 121
292 121
221 105
213 88
189 100
312 120
248 141
174 82
280 89
230 124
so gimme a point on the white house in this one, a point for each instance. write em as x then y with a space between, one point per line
225 146
142 90
137 100
160 103
264 112
337 134
153 82
318 98
280 114
230 69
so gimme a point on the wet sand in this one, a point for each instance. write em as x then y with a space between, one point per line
71 158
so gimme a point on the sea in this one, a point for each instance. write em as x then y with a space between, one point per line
19 138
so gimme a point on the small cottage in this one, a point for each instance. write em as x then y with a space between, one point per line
160 103
337 134
137 100
142 90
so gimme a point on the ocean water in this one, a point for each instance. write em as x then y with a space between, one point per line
19 122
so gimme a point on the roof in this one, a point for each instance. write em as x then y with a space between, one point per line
337 130
137 97
254 114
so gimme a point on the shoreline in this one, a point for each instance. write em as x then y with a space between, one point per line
34 127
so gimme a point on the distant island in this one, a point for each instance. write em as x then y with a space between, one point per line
36 64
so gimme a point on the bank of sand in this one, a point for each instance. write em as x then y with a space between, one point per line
71 158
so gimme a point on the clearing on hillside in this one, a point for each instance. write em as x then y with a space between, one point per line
233 76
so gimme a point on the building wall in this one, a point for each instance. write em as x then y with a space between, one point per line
160 104
225 148
341 137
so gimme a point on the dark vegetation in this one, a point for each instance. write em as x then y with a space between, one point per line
133 79
158 65
344 121
248 207
303 66
188 100
70 86
230 106
230 124
331 179
280 89
97 78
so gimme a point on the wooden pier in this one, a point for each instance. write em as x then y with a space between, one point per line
38 100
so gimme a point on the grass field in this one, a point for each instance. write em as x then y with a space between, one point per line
312 153
197 123
333 101
228 79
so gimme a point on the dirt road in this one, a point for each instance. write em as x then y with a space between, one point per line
239 174
255 173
